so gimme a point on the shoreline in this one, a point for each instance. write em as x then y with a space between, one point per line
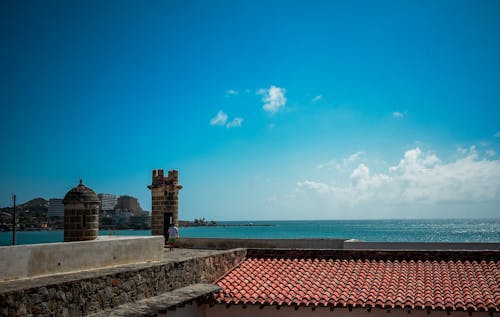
230 225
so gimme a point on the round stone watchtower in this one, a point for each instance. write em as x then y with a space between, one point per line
81 214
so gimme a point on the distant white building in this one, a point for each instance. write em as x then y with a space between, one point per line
108 202
56 207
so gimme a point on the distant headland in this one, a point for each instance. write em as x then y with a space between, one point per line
212 223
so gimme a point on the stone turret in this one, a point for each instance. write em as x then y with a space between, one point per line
81 214
164 201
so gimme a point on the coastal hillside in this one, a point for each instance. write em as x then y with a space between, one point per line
31 214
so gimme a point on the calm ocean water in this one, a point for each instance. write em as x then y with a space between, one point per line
435 230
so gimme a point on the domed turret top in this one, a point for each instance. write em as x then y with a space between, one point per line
80 194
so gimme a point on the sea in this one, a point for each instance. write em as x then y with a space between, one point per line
422 230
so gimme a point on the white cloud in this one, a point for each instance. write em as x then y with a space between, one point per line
273 98
340 164
236 122
497 134
491 153
462 151
231 92
417 178
317 98
398 115
362 172
413 161
354 157
319 187
219 119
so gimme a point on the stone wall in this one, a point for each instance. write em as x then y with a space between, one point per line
111 288
362 245
229 243
384 255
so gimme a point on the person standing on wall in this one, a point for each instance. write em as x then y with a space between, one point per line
173 234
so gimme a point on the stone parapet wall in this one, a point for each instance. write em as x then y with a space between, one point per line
384 255
113 287
229 243
34 260
362 245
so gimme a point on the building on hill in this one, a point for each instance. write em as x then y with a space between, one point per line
128 204
108 202
56 207
142 221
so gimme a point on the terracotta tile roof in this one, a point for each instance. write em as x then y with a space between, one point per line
412 284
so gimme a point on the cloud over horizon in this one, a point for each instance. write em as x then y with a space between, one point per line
420 178
343 163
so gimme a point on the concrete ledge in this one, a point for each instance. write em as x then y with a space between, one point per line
31 260
153 306
230 243
361 245
431 255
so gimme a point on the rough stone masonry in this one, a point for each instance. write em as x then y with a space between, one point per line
164 201
89 292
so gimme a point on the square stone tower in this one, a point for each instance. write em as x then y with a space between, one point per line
164 201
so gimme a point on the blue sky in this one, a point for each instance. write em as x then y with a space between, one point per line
269 109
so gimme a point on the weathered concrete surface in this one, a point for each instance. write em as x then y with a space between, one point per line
25 261
360 245
160 304
229 243
88 292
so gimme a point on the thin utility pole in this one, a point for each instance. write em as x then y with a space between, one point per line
14 221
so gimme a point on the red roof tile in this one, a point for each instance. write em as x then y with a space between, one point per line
441 285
